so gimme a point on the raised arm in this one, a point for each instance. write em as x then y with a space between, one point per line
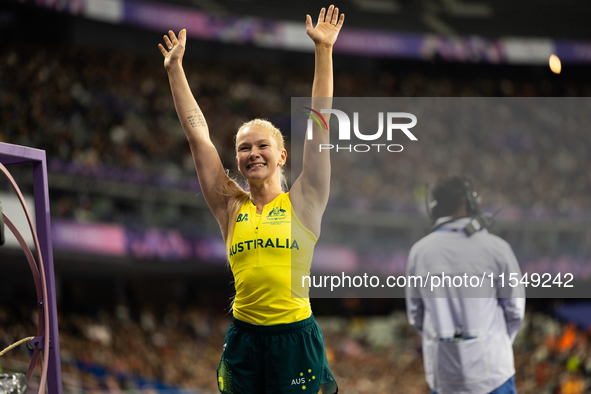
309 194
210 171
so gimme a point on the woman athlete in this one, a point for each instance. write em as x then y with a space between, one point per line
273 345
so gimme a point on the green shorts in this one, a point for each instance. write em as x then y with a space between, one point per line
284 358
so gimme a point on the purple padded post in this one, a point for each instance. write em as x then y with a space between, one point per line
15 154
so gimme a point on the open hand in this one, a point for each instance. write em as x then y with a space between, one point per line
175 48
328 27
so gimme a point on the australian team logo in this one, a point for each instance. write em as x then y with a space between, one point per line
277 213
304 380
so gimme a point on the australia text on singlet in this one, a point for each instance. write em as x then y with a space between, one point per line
266 250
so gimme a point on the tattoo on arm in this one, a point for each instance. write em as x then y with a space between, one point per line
196 119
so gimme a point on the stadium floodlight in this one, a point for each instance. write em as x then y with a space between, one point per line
46 340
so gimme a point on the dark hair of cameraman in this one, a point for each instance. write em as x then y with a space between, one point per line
454 196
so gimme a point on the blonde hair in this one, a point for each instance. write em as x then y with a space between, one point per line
233 189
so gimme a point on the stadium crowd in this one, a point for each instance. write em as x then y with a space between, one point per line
109 114
179 350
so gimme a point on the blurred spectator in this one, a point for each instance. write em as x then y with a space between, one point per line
180 349
108 114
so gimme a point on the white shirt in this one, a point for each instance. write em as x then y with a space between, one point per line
467 342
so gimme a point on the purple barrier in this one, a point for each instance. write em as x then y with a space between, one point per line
95 238
15 154
117 241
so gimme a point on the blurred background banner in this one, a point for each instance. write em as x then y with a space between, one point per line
286 35
90 238
143 287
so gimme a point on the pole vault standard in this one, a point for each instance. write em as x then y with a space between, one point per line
15 154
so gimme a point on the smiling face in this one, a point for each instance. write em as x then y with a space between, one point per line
258 155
